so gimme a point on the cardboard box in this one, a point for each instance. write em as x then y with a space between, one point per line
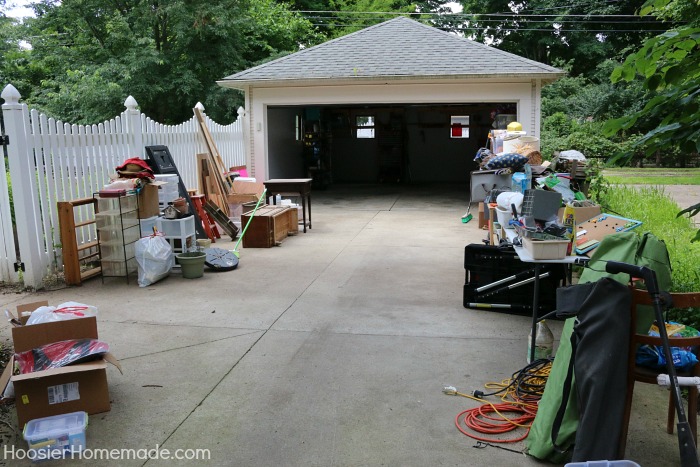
581 214
74 388
245 191
269 226
148 201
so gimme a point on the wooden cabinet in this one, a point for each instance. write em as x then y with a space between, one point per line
269 226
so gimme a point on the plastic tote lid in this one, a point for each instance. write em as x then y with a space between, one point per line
514 126
52 427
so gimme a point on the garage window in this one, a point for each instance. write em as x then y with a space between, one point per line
459 126
365 126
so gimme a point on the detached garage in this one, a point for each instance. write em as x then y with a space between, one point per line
396 102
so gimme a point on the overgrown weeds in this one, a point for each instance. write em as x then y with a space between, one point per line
658 211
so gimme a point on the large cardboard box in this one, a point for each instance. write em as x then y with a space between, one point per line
74 388
148 201
245 191
581 214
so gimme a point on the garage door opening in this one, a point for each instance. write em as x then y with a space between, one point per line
381 144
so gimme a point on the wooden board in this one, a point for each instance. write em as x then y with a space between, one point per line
207 185
217 168
74 256
222 219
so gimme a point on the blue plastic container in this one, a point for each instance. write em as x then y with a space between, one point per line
621 463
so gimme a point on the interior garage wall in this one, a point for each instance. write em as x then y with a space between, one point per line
285 152
354 160
434 156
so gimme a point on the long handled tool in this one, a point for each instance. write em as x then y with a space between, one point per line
235 248
686 442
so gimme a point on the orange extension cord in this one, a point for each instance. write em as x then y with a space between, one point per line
519 394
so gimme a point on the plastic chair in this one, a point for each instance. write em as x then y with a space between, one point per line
648 375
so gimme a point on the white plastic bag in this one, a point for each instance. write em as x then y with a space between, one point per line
62 312
155 259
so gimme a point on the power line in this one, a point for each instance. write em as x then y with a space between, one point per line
467 27
468 15
528 21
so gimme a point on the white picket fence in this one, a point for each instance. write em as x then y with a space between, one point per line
51 161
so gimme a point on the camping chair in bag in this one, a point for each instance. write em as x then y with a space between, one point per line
643 374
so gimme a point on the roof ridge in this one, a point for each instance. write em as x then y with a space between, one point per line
332 41
491 48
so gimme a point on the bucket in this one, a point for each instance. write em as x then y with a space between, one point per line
513 144
532 141
203 243
192 264
504 216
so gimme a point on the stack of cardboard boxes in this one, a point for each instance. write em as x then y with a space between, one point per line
79 387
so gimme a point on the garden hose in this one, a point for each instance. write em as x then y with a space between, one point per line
519 395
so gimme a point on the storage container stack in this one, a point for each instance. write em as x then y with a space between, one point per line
169 192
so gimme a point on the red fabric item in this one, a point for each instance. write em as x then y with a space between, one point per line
129 172
60 354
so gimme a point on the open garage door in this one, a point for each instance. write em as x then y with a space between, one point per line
380 144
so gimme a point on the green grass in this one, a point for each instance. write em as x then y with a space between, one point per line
652 180
662 176
657 211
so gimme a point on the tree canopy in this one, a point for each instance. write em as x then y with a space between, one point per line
86 56
668 67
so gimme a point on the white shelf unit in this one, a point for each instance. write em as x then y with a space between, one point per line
117 220
180 233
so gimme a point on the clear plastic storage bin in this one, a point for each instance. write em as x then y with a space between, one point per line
117 235
56 437
128 203
117 251
118 268
114 220
620 463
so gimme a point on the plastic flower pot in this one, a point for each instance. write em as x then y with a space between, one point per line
192 264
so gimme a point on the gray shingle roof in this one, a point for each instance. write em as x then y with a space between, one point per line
397 48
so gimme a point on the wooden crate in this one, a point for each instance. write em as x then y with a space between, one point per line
270 225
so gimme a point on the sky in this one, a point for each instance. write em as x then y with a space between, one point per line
18 9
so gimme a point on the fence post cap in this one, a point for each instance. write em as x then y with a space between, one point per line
10 94
241 111
130 103
199 106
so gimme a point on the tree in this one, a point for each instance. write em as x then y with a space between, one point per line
668 64
582 33
168 54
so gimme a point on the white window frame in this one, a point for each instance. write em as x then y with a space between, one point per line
459 122
364 130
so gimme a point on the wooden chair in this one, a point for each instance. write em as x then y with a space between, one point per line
648 375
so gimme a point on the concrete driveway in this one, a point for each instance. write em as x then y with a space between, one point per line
330 350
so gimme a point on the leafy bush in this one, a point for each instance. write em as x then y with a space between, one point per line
560 133
659 216
592 145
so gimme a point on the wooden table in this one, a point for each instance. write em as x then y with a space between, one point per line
302 186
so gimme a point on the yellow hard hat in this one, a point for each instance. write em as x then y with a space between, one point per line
514 126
